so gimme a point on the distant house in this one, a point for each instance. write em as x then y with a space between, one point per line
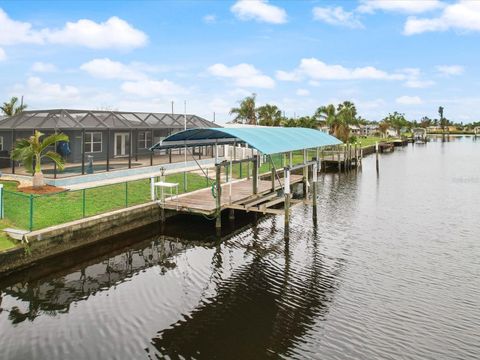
356 130
99 140
370 129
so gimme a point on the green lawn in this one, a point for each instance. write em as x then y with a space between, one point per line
371 140
67 206
5 241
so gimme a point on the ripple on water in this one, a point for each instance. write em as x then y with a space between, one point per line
390 272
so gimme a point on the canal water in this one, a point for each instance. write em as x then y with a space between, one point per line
390 271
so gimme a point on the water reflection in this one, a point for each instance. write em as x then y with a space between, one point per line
55 294
264 308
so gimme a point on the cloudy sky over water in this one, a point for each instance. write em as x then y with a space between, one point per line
409 56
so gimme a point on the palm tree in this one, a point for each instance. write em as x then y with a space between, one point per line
10 108
397 121
348 111
383 127
246 112
269 115
307 122
338 119
31 151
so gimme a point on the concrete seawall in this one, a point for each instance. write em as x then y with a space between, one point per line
57 239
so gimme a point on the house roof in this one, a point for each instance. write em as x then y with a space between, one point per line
96 119
268 140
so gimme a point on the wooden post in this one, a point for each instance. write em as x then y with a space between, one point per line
218 179
255 174
305 174
305 182
273 178
290 159
314 192
376 155
345 157
338 159
287 200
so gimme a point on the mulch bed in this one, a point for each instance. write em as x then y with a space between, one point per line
47 189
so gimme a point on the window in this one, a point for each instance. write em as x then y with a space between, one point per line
93 142
144 140
1 143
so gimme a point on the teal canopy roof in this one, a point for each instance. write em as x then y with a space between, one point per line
267 140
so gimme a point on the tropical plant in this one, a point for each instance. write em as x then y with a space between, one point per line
348 111
425 122
31 151
269 115
246 113
338 119
10 108
307 122
397 121
383 127
289 122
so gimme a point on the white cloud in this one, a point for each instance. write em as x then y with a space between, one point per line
403 6
464 15
36 88
13 32
287 76
113 33
3 55
108 69
244 75
151 88
259 10
42 67
336 16
210 19
450 69
408 100
318 70
419 84
302 92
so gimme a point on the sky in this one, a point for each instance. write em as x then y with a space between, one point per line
409 56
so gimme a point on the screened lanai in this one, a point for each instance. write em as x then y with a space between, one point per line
100 140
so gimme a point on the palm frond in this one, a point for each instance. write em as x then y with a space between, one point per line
56 158
52 139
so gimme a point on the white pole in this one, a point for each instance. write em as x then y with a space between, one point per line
152 188
185 164
1 196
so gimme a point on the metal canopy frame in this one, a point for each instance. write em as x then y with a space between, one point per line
267 140
97 119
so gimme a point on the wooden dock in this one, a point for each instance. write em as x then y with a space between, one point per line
202 202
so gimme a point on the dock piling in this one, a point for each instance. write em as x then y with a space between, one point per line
287 200
218 179
314 191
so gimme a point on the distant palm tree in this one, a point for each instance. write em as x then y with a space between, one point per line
307 122
269 115
31 151
246 113
383 127
10 108
348 111
338 119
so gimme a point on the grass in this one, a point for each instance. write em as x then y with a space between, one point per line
371 140
5 241
53 209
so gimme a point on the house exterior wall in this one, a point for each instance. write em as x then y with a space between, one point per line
75 137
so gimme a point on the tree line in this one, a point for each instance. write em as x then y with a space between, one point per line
337 118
